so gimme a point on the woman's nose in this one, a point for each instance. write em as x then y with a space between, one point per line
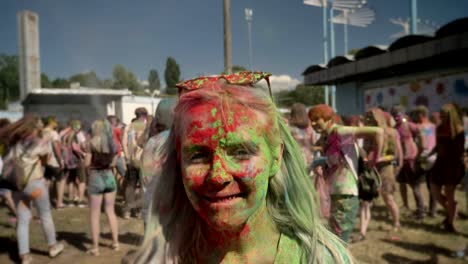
219 175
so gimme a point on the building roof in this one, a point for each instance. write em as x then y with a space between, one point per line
82 95
412 53
81 91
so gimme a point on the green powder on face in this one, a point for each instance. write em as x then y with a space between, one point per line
213 112
217 123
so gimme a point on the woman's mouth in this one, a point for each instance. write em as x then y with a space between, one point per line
224 199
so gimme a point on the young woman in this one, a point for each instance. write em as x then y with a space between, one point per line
24 162
390 152
101 183
234 188
342 157
301 131
448 168
411 143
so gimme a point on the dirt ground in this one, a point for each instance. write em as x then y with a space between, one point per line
420 242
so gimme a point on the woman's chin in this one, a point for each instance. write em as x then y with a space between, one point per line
225 224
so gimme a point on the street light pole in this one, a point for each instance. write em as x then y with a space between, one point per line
249 18
227 36
325 45
414 17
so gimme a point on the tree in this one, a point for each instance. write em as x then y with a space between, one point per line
60 83
86 79
124 78
153 80
45 82
353 52
238 68
119 74
171 75
9 79
308 95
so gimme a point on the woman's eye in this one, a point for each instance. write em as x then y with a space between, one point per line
198 157
241 154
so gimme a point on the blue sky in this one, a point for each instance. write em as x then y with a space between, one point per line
78 36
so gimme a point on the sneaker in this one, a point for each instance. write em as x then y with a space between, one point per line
56 249
70 204
26 259
82 204
126 215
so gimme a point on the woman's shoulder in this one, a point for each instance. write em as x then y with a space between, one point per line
289 250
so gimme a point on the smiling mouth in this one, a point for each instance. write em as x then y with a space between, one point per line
224 199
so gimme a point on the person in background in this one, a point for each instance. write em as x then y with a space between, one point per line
301 131
133 157
425 163
435 118
120 164
319 167
411 142
342 158
101 184
465 184
5 187
153 157
53 172
73 140
391 151
24 163
448 168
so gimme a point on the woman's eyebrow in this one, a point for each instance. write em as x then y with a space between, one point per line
192 148
249 144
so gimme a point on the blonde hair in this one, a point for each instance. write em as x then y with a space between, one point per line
173 232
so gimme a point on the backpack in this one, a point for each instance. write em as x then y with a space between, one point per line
16 172
368 181
70 158
135 152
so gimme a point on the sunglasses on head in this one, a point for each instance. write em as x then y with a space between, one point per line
243 78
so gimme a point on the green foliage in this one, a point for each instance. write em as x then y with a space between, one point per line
172 73
238 68
45 82
308 95
87 79
153 80
61 83
9 79
124 78
352 51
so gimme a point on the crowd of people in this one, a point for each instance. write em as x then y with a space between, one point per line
219 174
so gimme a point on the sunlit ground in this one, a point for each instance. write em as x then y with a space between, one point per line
420 242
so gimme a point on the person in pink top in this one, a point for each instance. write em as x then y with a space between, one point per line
411 142
301 131
425 163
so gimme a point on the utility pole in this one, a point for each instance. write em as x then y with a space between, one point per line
227 37
248 18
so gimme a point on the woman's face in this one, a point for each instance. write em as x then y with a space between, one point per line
320 126
226 163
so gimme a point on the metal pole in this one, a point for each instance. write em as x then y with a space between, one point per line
414 17
249 24
227 36
345 14
332 55
325 45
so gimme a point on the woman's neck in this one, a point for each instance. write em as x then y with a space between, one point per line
254 242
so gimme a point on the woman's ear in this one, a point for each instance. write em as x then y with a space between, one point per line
277 158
